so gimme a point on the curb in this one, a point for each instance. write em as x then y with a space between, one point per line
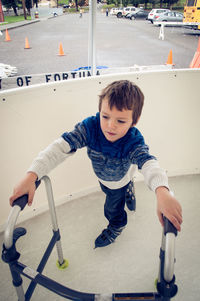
15 25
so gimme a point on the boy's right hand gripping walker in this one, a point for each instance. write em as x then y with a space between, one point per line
165 284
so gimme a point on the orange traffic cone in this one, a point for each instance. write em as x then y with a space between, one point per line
61 52
195 63
7 39
169 59
27 46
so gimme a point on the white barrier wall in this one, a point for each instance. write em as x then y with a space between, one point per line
32 117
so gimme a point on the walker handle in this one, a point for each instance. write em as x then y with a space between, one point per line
23 200
169 227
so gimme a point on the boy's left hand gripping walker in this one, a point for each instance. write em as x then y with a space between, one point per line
165 284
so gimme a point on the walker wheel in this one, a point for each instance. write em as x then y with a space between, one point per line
62 266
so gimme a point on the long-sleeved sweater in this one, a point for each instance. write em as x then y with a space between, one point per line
114 163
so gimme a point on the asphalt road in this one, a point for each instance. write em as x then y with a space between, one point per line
119 43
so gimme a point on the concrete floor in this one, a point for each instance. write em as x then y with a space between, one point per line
128 265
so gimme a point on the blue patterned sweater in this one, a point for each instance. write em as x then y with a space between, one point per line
110 160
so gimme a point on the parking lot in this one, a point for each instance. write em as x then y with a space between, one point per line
119 43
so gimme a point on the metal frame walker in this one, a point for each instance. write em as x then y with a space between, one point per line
166 287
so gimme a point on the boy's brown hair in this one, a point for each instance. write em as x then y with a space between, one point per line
124 95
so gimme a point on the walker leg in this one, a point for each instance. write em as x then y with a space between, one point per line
166 280
59 252
20 293
17 282
161 262
61 263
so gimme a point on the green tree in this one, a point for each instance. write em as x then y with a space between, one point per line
135 3
117 3
170 3
153 2
145 3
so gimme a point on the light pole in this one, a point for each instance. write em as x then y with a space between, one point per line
92 36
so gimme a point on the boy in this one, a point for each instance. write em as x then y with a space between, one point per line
115 148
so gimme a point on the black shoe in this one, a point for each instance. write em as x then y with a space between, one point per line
130 197
107 236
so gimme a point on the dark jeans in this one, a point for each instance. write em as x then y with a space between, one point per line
114 206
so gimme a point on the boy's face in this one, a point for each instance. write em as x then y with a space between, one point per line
114 123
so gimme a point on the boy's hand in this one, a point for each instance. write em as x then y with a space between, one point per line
168 206
25 186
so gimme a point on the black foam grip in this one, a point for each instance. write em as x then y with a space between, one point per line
169 227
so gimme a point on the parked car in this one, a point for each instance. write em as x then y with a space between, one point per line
126 10
156 11
129 9
112 11
115 10
168 17
140 14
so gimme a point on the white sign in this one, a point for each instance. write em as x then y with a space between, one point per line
28 80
